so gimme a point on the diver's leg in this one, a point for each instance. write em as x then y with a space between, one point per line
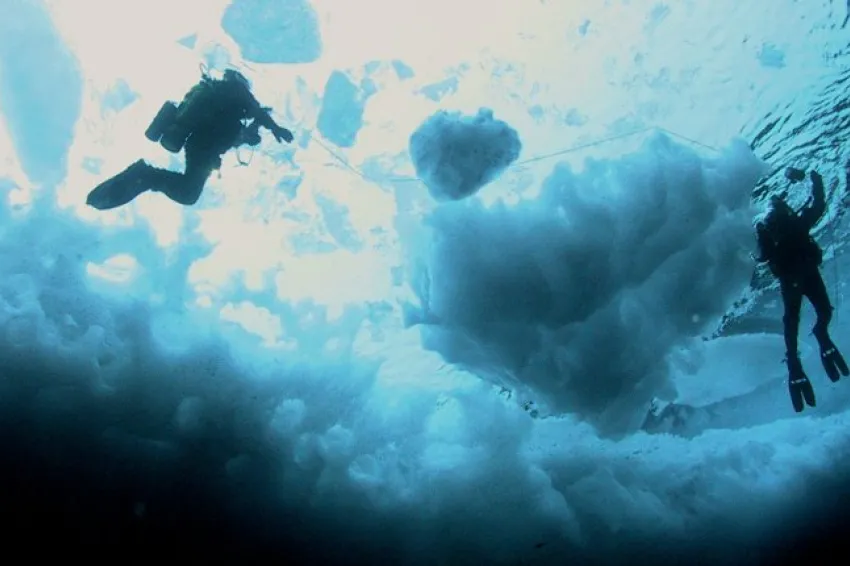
833 362
816 292
186 189
792 300
799 386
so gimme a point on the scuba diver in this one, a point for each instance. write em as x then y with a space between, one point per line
214 117
794 258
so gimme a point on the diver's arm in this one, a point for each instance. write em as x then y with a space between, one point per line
264 119
812 212
262 116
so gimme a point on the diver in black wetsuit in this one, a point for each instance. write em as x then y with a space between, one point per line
214 117
794 258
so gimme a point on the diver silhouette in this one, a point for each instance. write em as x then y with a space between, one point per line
215 116
794 258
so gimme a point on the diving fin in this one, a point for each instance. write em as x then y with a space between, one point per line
120 189
833 362
799 386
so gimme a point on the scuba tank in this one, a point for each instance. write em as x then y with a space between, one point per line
175 137
166 129
173 124
163 119
169 126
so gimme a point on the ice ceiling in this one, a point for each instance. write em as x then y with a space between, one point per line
344 334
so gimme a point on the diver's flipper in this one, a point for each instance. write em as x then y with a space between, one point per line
840 363
120 189
799 386
833 362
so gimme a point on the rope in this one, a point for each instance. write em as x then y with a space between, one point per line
242 63
687 139
580 147
535 159
343 161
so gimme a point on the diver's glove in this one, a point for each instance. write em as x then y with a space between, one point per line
281 133
794 175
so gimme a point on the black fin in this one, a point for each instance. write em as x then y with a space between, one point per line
799 386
